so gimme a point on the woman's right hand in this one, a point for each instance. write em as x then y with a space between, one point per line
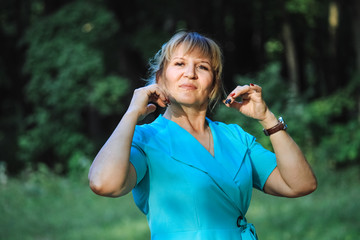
144 99
111 173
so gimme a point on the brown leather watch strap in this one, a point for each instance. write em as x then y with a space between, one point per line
280 126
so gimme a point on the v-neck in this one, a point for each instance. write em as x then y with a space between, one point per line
212 135
185 148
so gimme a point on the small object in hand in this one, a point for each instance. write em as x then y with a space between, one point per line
228 101
167 102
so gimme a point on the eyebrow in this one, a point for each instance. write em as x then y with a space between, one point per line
201 59
205 62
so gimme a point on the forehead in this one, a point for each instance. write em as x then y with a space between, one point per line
184 50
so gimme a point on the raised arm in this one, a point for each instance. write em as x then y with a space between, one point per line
111 173
293 176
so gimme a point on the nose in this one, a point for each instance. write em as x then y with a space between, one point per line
190 72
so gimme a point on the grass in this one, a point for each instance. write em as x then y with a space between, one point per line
330 213
43 206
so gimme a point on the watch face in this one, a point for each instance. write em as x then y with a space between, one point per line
281 120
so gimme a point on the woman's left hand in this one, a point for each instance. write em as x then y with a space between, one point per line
293 176
252 103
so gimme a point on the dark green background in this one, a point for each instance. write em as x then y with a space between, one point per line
68 70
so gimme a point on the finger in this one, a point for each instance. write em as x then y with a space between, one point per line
157 95
231 98
239 90
245 96
163 97
244 92
161 101
150 108
237 105
255 87
155 92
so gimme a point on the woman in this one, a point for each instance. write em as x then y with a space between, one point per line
191 176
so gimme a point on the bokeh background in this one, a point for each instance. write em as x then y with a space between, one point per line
68 69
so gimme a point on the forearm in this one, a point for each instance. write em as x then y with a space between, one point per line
292 164
110 173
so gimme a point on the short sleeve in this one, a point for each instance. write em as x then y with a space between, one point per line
139 160
263 163
138 157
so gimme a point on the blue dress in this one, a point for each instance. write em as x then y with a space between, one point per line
185 192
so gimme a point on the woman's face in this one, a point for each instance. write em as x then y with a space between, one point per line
188 78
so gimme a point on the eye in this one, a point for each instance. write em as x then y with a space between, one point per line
203 67
179 64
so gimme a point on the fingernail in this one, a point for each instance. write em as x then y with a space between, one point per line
228 101
251 84
231 95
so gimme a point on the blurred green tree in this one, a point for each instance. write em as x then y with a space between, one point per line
68 84
65 65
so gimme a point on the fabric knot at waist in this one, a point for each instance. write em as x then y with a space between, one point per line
247 229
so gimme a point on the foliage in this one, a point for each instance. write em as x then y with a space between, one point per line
68 81
334 124
309 9
67 66
42 205
106 93
328 213
329 124
273 92
342 146
154 39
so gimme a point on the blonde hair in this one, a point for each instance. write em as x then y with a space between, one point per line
190 41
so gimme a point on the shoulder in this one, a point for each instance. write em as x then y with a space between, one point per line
144 132
230 128
234 130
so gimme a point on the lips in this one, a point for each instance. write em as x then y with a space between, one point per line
187 86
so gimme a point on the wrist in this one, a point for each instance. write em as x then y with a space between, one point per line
269 121
281 125
133 114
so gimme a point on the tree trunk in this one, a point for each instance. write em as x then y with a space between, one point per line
356 36
333 24
356 33
291 58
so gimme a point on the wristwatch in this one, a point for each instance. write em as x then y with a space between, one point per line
280 126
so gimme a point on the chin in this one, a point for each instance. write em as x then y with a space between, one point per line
185 100
189 101
194 104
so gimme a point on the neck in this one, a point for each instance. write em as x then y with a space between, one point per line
190 119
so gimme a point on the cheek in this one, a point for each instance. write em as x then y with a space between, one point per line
170 78
210 83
